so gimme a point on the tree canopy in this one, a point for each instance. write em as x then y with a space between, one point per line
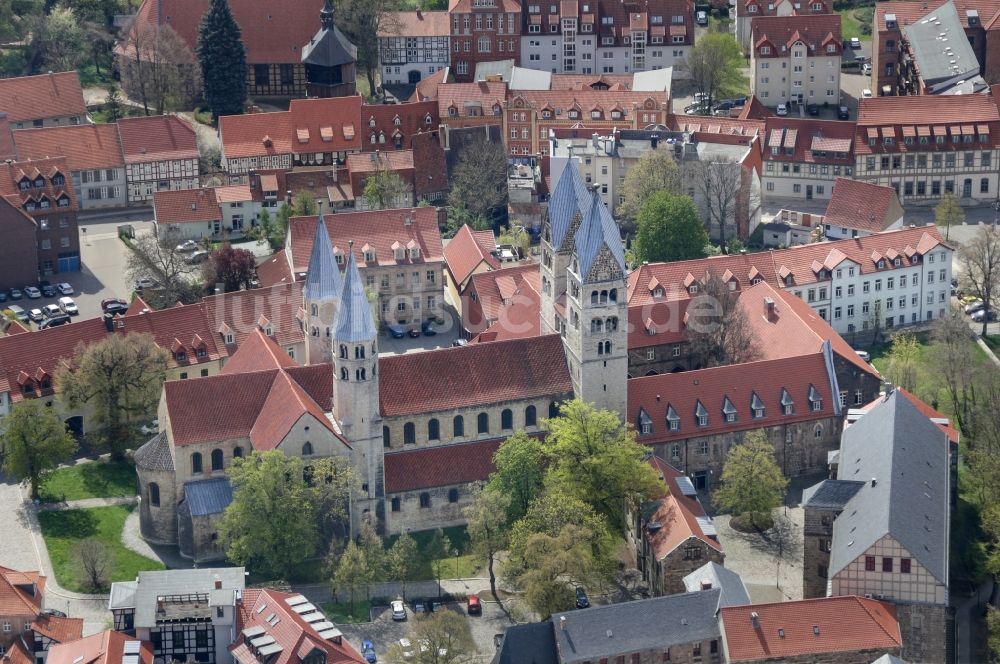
716 66
669 229
948 213
223 61
384 189
520 472
752 482
655 171
233 268
478 194
33 441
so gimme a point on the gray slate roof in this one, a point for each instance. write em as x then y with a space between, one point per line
598 231
637 626
329 47
830 494
155 454
889 659
940 69
734 592
907 455
354 316
533 643
208 496
569 198
141 594
322 276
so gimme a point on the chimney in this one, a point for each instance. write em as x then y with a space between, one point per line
874 481
769 309
754 620
420 15
562 622
706 584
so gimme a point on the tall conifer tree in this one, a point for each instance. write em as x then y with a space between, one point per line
223 60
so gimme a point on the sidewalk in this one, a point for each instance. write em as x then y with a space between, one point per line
87 503
323 592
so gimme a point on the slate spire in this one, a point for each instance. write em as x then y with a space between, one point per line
323 276
354 316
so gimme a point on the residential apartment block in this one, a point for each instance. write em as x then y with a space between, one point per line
796 59
928 146
606 36
45 100
483 31
161 154
804 157
748 10
413 45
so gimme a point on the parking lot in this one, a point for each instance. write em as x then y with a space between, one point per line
383 631
444 335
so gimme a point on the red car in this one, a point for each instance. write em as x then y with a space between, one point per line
474 607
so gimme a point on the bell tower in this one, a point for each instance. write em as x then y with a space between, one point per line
320 296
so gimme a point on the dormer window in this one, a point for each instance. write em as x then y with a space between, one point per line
39 182
897 262
756 406
396 121
815 400
645 423
339 258
658 291
371 122
573 115
369 256
692 289
414 253
765 50
399 253
673 419
201 352
787 403
427 119
701 414
180 356
728 410
230 339
58 180
881 264
595 115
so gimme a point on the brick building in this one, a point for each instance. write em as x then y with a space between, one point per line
43 190
45 100
796 59
606 37
748 10
483 31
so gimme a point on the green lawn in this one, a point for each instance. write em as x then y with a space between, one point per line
341 612
93 479
63 529
993 341
850 24
454 567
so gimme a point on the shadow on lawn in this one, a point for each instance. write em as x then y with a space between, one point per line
69 524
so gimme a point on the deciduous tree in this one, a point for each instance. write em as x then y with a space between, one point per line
403 560
716 66
443 637
362 21
520 472
718 329
56 41
478 186
33 441
956 367
161 70
233 268
330 482
655 171
752 483
980 261
156 258
554 566
119 379
903 363
437 551
385 189
723 187
948 213
94 558
272 508
352 572
596 459
223 60
669 229
488 528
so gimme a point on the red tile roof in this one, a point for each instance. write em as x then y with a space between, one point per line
812 29
467 250
258 352
369 162
427 89
655 396
862 206
11 173
274 271
811 141
84 146
811 627
378 229
184 206
16 595
7 150
181 330
412 118
243 312
17 654
106 647
273 31
442 465
414 24
286 403
60 630
455 377
484 296
44 96
309 125
889 116
677 515
482 96
798 262
521 318
430 168
157 138
289 630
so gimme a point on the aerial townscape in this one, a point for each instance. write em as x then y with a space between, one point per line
491 332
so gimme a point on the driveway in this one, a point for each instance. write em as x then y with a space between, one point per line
445 335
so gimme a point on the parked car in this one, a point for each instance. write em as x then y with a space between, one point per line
396 331
113 304
52 310
69 306
989 315
19 313
55 321
866 69
968 298
143 283
866 94
427 327
434 605
150 428
475 608
782 109
460 342
32 292
419 606
974 306
407 648
36 315
368 651
697 108
3 296
48 290
701 18
199 256
414 332
187 246
16 294
812 109
54 612
582 601
843 113
864 355
398 609
723 107
855 43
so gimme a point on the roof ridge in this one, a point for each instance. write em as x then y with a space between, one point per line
865 604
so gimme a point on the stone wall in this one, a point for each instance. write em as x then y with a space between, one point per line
445 508
207 546
680 562
708 651
817 536
852 657
158 523
928 632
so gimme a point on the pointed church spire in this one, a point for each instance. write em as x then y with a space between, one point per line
354 317
326 14
323 275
